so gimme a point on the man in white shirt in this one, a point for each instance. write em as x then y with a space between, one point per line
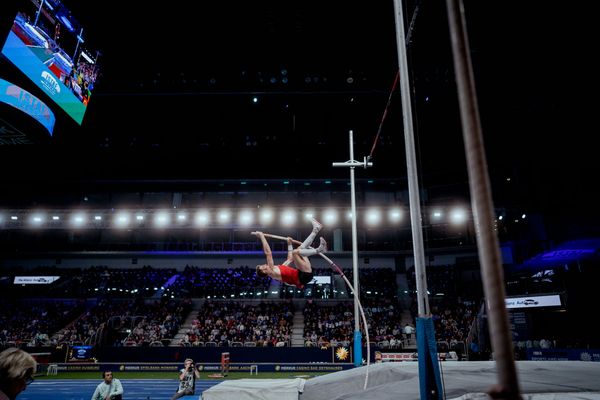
110 389
408 331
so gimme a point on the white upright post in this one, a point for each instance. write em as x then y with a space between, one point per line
39 11
353 163
79 40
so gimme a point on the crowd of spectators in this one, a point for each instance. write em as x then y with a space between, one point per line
116 282
211 283
118 322
159 320
98 281
376 282
90 282
149 320
326 326
452 320
232 323
32 323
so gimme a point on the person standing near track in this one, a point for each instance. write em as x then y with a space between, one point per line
16 372
300 275
109 389
187 379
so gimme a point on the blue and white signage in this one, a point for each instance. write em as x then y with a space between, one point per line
533 301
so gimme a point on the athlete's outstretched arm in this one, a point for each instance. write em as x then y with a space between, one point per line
290 249
266 249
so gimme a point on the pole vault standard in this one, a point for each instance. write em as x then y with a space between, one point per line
356 299
430 383
351 164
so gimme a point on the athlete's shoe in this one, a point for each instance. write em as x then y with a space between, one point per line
317 226
322 245
312 251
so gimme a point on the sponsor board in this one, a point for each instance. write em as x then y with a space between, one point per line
78 367
149 367
400 357
216 367
309 368
533 301
35 280
563 355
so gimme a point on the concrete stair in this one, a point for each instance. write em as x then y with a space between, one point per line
298 329
187 324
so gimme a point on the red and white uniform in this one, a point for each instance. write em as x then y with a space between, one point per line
289 275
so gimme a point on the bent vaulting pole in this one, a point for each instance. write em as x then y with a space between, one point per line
362 313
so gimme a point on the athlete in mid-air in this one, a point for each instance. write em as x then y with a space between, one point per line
300 275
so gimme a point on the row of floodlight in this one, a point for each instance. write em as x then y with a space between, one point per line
224 217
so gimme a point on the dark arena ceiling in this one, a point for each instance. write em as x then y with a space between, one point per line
174 98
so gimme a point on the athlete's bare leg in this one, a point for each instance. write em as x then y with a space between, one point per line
301 262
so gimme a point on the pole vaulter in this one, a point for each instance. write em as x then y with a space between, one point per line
337 269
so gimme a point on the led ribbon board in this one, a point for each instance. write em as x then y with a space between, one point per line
21 99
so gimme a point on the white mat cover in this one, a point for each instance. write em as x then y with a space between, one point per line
539 380
256 389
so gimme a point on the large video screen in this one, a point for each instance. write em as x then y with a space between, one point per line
47 44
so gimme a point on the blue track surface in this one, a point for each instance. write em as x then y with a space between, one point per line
134 389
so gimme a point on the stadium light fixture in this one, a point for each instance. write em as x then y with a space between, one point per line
162 219
266 216
288 217
224 216
78 219
330 217
245 217
202 218
458 216
373 217
122 219
395 215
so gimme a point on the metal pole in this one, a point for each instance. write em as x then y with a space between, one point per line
79 40
39 11
352 163
411 164
354 236
429 373
483 210
96 60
